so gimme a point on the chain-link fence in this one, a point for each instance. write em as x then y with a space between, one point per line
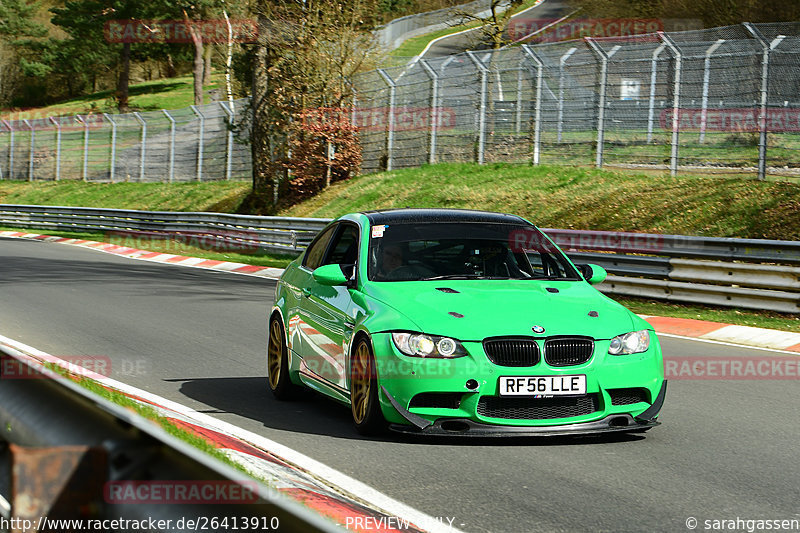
724 99
194 143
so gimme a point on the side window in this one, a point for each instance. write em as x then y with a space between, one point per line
344 249
316 250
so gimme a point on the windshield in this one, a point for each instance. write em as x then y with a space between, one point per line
463 250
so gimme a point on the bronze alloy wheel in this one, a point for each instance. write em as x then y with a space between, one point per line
364 402
274 353
361 382
278 362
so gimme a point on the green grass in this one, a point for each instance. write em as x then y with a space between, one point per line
579 198
170 93
216 196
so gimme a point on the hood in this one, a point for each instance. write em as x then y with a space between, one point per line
471 310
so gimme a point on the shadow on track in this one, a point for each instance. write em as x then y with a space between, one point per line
318 415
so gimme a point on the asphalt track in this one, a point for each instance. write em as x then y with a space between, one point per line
471 40
726 449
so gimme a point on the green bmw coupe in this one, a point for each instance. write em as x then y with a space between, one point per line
443 322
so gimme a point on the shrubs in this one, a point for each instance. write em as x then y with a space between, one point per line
324 149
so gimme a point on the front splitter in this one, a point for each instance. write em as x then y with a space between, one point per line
463 427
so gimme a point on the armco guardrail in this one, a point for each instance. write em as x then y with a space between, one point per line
393 33
218 230
677 267
63 450
748 273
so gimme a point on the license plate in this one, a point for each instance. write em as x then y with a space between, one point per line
571 385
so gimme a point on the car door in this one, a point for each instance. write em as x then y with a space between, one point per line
297 284
327 328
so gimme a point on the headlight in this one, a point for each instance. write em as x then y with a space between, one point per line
421 345
633 342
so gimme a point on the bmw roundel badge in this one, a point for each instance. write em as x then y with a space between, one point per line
538 329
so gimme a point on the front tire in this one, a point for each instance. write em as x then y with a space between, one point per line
278 362
364 402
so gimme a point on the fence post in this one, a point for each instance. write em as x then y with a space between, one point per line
85 169
392 102
706 78
762 119
143 123
482 112
57 124
113 144
537 111
434 114
10 150
230 113
30 149
561 63
601 104
676 101
171 144
518 116
200 140
652 102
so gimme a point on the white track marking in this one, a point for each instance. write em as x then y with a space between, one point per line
346 484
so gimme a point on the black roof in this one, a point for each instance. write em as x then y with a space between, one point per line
399 216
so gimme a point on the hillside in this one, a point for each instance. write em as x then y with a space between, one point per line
550 196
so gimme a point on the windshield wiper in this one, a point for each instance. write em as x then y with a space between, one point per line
455 276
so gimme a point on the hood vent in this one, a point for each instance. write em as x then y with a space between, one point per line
447 290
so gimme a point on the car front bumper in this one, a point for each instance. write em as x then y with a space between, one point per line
465 427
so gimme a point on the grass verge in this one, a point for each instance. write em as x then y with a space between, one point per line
169 93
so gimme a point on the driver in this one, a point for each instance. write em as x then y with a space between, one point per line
392 258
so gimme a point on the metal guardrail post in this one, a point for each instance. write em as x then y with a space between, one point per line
706 78
652 100
762 119
31 148
230 114
601 104
143 141
676 101
435 112
171 145
561 64
10 150
537 112
85 169
482 110
391 118
113 159
200 142
57 124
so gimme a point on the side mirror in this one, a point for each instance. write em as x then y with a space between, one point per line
594 274
330 275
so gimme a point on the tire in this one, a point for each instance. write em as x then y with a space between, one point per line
364 404
278 362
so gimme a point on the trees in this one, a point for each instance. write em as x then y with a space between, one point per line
88 23
305 53
16 24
